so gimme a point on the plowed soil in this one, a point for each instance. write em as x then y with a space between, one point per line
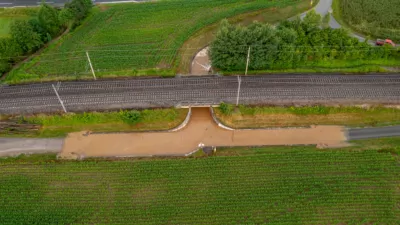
200 129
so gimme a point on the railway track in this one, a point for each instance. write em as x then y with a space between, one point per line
147 93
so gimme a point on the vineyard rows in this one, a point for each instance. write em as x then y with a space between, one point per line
327 187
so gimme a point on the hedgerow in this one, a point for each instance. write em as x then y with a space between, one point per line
289 45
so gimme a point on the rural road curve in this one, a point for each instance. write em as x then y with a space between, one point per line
324 7
19 3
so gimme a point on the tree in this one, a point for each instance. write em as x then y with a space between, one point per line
24 34
10 50
38 28
9 53
325 20
79 9
48 18
311 21
66 17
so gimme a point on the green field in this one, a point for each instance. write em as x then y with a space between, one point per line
8 15
277 185
133 39
379 19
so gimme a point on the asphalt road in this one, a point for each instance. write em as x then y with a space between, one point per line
19 3
367 133
148 93
15 146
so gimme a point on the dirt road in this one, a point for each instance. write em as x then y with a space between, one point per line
200 129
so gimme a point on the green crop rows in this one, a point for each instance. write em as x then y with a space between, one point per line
303 187
377 18
134 37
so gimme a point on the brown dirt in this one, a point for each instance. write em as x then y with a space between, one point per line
200 63
200 129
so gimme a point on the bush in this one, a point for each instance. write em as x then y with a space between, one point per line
226 109
131 117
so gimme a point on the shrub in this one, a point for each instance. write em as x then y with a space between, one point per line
225 108
131 117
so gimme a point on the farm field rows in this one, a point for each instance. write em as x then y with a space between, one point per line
290 185
369 17
133 39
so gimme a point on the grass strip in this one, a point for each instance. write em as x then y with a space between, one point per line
351 116
122 121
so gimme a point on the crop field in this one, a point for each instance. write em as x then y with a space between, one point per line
376 18
302 186
134 39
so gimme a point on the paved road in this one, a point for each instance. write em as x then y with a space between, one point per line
366 133
147 93
324 7
18 3
15 146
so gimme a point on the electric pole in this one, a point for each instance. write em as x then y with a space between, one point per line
59 99
91 67
248 60
238 92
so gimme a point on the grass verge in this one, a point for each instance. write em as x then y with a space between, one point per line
332 66
275 185
123 121
258 117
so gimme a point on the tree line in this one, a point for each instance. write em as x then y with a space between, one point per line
288 45
27 36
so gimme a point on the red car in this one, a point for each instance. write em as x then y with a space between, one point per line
381 42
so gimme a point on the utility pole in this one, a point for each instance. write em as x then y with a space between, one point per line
248 60
238 92
59 99
91 67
